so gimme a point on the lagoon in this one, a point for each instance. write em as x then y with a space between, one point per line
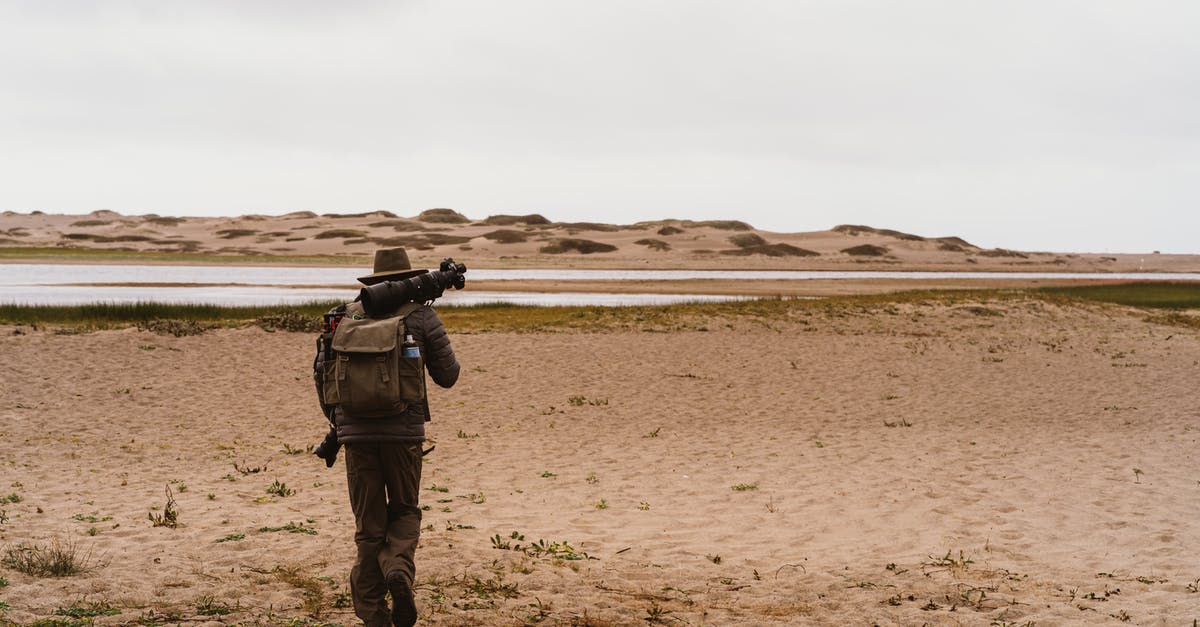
70 284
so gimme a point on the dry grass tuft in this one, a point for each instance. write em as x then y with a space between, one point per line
57 559
177 328
293 321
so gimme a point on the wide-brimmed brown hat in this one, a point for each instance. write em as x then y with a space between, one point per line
391 264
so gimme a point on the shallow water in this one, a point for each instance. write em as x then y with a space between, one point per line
58 284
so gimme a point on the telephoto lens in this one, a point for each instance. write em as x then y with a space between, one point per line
382 298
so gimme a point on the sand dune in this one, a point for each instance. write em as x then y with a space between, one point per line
535 241
946 464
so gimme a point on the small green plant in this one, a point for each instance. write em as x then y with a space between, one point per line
280 489
288 449
290 527
91 518
592 479
546 474
83 610
745 487
504 544
478 498
903 422
601 504
12 498
437 488
949 562
463 435
169 517
716 559
644 506
541 548
233 537
208 606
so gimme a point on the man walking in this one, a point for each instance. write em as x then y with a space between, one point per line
374 358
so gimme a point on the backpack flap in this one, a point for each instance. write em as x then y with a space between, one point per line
366 335
366 370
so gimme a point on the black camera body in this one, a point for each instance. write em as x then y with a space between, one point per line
328 448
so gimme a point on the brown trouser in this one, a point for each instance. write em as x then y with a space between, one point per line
384 480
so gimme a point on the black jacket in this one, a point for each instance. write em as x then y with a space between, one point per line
442 366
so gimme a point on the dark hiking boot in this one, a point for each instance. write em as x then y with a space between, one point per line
404 607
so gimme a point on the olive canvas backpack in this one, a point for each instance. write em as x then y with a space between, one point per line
366 372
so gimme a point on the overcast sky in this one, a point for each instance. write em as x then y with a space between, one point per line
1041 125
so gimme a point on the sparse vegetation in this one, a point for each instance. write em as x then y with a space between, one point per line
292 321
654 244
290 527
58 558
532 219
866 250
340 234
747 240
506 236
280 489
235 233
569 245
541 548
170 515
208 606
772 250
1156 295
87 610
442 216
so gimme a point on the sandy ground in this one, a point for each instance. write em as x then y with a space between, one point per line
910 464
676 244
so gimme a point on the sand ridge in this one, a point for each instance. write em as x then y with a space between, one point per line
909 463
534 241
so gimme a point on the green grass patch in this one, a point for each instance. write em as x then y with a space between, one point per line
106 315
504 317
1158 295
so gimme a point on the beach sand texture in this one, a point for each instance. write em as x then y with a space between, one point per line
901 464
